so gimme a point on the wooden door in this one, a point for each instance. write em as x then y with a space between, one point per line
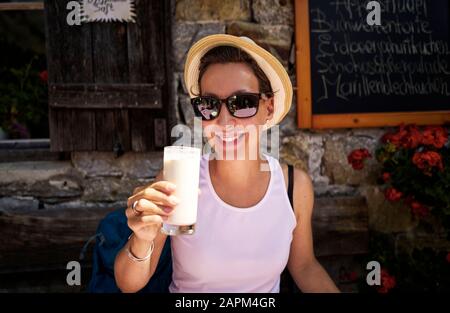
109 81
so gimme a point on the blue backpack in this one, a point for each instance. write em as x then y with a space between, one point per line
111 236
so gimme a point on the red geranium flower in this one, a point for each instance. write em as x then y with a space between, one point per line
435 136
407 136
386 176
419 210
396 138
387 281
392 194
356 158
408 200
353 276
414 137
43 76
428 160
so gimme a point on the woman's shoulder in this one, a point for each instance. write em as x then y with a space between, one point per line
303 193
301 177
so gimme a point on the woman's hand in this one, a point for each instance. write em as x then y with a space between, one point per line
154 203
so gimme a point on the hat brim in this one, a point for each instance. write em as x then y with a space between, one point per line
274 70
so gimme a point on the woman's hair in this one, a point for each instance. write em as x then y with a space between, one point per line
230 54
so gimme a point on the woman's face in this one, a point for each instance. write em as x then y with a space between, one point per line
225 80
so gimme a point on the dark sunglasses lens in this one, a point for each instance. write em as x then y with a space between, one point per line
244 105
207 108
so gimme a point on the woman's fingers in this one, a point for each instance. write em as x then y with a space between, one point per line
164 186
159 193
138 222
154 195
147 207
160 198
138 189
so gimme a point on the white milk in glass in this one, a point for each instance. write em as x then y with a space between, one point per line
182 167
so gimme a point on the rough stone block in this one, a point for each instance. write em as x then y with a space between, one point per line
337 147
106 164
185 34
82 205
40 179
272 12
385 216
295 151
277 39
212 10
92 164
14 204
110 188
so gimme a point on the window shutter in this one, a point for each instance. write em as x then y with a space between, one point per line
108 81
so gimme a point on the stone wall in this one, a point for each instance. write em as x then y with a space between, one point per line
87 180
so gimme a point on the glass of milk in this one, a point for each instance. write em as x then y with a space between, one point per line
182 167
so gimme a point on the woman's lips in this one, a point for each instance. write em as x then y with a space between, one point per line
226 138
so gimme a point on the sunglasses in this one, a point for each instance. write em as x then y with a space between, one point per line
242 105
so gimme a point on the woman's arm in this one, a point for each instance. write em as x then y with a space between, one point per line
132 276
306 271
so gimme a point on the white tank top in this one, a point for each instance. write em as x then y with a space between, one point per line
235 249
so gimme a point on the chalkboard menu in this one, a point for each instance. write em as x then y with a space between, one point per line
354 74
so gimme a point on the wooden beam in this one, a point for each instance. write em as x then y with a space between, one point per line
105 96
21 6
377 119
340 226
47 239
303 61
25 144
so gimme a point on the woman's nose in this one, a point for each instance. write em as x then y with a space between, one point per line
225 118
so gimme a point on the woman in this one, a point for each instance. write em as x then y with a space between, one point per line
247 230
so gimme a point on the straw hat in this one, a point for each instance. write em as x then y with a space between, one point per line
275 72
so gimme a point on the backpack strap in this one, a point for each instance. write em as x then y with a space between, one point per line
291 184
287 284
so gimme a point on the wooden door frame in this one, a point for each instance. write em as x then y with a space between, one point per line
21 6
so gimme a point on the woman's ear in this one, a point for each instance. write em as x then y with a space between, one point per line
270 108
